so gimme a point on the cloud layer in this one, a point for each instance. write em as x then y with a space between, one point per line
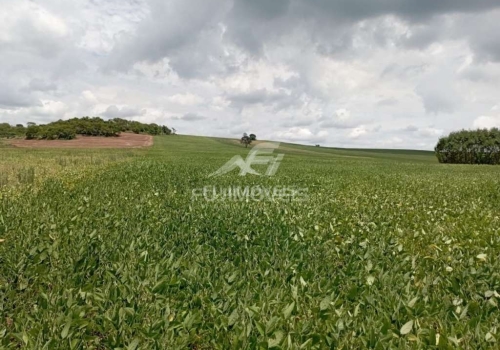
369 73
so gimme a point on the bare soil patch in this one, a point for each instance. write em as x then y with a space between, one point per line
125 140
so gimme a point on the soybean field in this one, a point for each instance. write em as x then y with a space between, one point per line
111 249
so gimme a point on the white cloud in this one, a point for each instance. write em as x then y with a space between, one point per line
357 132
430 132
89 97
486 122
391 141
186 99
341 120
47 109
123 112
219 103
297 134
322 134
343 114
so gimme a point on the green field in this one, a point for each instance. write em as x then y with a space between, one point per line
390 250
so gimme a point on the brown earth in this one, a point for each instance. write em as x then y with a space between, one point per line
125 140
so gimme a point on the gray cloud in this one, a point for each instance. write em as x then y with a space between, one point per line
14 99
192 34
336 124
387 102
439 99
416 10
261 96
190 117
14 95
410 128
341 119
483 38
183 31
403 71
41 85
297 121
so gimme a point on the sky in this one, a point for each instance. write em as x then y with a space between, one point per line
342 73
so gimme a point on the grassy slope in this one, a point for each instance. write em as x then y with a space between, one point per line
126 257
400 155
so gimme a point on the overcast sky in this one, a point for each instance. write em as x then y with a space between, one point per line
364 73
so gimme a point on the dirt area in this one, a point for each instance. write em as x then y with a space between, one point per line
125 140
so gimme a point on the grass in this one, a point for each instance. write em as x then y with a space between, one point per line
21 167
391 250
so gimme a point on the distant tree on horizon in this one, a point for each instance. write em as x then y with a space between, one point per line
246 140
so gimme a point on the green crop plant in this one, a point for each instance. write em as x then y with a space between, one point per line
390 250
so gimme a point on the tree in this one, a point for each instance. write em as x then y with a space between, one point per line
253 137
246 140
480 146
32 132
166 130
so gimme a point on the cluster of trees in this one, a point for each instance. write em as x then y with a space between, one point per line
480 146
8 131
68 129
247 139
53 131
138 128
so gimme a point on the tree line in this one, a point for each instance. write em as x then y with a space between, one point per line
8 131
480 146
68 129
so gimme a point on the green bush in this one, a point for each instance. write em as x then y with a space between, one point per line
55 132
480 146
32 132
8 131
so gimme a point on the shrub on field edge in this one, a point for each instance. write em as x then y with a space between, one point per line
480 146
